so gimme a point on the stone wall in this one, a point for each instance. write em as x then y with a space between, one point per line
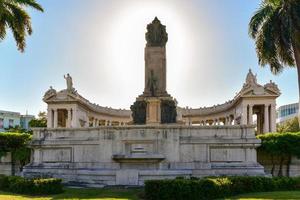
129 155
5 165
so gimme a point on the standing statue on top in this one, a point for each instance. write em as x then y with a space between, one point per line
156 35
69 83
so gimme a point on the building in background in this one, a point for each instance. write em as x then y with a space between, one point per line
12 119
287 112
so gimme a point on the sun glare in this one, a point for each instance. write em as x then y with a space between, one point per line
126 39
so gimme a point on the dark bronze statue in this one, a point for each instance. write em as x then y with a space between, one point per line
156 35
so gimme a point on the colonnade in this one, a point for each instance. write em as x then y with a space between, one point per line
66 117
265 117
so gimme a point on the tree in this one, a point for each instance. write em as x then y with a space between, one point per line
41 121
13 16
275 27
282 146
291 125
16 144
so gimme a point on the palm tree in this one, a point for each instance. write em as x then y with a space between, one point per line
14 16
275 27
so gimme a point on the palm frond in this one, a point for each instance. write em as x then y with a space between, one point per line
20 23
267 43
258 19
284 32
31 3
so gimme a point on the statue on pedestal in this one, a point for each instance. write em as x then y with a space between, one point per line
69 83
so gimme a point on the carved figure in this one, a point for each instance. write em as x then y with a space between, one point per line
69 82
156 34
50 92
251 79
152 83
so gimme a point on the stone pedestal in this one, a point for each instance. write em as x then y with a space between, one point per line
153 111
130 155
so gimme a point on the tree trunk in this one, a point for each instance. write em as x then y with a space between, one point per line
13 164
296 49
288 165
280 174
273 165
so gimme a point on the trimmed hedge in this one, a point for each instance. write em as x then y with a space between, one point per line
215 187
21 185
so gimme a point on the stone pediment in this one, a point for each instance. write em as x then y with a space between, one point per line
62 95
252 88
258 91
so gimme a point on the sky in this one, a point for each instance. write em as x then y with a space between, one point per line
101 44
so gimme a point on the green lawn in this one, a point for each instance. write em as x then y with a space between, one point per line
90 194
133 194
268 195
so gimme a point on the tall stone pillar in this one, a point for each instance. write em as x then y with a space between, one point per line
155 105
55 119
49 118
273 118
155 60
250 114
266 119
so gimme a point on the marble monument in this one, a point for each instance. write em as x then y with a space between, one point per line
89 145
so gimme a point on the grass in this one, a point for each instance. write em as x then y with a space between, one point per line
74 194
268 196
133 194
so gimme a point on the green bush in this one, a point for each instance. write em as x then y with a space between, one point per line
21 185
16 144
215 187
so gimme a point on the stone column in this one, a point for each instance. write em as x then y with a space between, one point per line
74 119
55 116
250 122
105 122
244 119
87 119
273 118
266 119
49 118
258 121
225 121
69 122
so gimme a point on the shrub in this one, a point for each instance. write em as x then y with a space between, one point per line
215 187
21 185
48 186
16 143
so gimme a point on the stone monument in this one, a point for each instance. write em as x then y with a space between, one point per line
159 106
155 146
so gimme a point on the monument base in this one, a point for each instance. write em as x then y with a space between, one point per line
129 155
153 112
